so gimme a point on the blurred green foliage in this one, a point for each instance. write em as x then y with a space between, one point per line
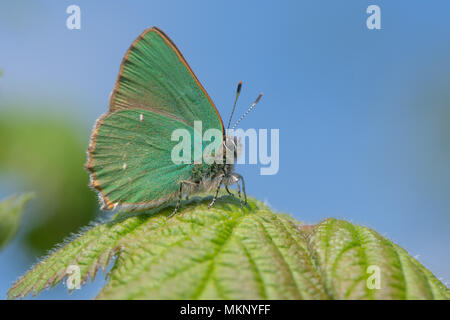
11 211
46 153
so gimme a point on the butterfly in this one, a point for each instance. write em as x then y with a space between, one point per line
129 155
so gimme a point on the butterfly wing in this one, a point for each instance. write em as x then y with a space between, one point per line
129 157
154 75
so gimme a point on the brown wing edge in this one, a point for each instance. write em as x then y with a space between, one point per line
180 56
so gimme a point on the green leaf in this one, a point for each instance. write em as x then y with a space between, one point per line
231 253
11 211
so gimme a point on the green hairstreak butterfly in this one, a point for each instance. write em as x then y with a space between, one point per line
129 155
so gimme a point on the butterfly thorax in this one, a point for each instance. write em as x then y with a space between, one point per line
207 176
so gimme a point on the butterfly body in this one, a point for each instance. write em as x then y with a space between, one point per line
129 156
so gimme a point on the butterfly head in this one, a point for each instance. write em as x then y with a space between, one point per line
232 146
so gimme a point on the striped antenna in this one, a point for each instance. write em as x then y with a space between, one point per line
249 109
238 92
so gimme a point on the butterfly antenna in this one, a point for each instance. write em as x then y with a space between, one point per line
249 109
238 92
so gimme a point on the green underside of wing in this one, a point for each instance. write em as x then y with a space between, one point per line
131 158
153 77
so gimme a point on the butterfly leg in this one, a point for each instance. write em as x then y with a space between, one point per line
180 195
239 193
229 192
217 190
237 175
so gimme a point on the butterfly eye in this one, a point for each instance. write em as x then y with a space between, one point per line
236 147
231 144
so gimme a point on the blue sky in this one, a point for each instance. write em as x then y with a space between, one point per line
363 114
